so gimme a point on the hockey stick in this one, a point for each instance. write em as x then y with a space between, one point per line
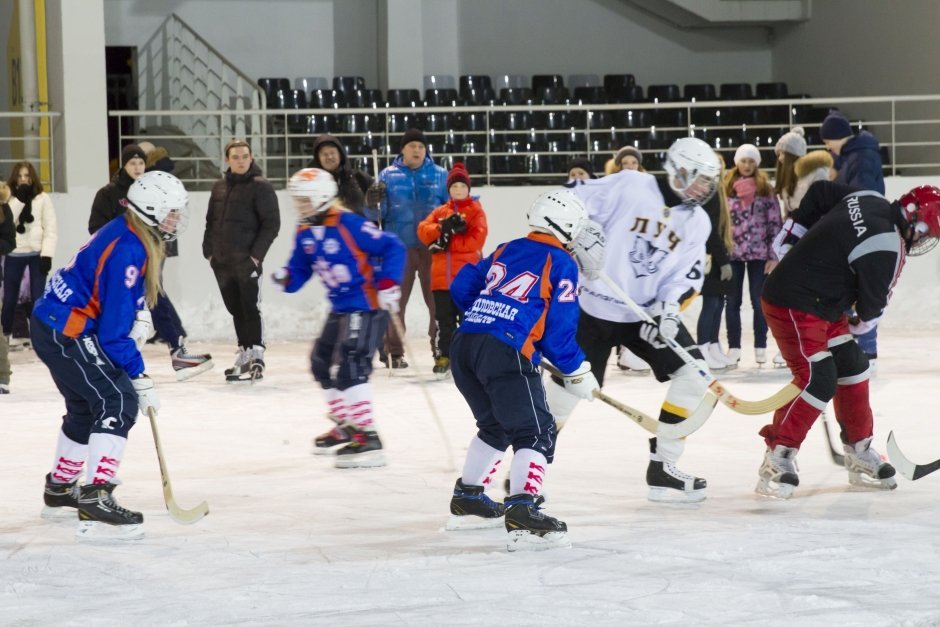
182 516
751 408
907 468
837 458
679 430
400 330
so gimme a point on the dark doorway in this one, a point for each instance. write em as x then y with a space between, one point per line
121 77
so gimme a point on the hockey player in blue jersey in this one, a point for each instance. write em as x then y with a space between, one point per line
520 304
88 328
361 268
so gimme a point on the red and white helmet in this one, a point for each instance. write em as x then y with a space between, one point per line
313 191
921 208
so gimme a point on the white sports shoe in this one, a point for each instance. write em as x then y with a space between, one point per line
778 473
867 468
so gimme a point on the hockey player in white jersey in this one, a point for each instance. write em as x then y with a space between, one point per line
656 254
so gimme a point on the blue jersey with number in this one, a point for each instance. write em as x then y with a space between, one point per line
526 295
351 256
99 293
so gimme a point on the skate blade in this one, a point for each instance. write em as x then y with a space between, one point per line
864 481
520 540
94 531
58 513
772 490
461 523
630 372
670 495
184 374
327 450
372 459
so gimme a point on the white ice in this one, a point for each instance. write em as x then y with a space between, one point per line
290 540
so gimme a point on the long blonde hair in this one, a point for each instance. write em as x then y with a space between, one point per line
760 177
153 244
724 214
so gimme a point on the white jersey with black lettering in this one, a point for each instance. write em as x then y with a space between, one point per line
655 253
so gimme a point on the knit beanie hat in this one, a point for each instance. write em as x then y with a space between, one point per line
835 126
793 143
413 135
584 164
627 150
747 151
131 151
458 174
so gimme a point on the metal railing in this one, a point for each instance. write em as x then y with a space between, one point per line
531 143
18 144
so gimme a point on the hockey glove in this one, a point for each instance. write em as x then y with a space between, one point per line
789 235
725 271
281 277
581 382
590 249
143 325
146 394
389 295
669 321
861 327
375 194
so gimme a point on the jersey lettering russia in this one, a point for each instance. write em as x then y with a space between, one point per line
855 215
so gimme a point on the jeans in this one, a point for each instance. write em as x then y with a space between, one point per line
755 284
709 320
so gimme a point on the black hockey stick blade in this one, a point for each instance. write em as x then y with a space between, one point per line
837 458
907 468
177 513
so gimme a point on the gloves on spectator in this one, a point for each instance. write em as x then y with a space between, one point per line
375 194
454 223
143 325
389 295
281 277
669 321
789 235
590 249
441 244
146 394
725 271
45 265
581 382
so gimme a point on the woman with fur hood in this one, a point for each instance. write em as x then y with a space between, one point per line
797 169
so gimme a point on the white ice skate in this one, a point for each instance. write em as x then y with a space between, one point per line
760 356
779 361
632 365
778 473
714 365
867 468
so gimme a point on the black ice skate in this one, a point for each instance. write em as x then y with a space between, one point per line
471 508
866 467
187 365
441 367
363 451
61 499
326 443
531 530
667 483
100 516
397 362
778 473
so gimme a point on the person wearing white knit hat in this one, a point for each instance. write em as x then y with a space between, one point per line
747 151
792 143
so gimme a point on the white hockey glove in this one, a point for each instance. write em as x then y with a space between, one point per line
669 321
389 298
146 394
589 249
281 277
861 327
789 235
581 382
143 325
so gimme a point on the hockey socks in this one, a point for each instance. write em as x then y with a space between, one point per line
60 494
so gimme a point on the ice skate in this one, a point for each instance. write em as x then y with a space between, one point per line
778 473
441 367
242 356
779 361
248 368
531 530
471 508
4 388
631 365
100 516
867 468
326 443
363 451
666 482
714 365
18 343
732 357
187 365
760 356
61 499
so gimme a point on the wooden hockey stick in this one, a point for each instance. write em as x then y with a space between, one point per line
751 408
400 330
679 430
837 458
907 468
182 516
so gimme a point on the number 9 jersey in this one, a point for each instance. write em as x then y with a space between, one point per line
525 295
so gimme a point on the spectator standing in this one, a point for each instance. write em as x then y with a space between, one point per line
242 222
406 192
580 170
7 243
329 155
454 233
627 158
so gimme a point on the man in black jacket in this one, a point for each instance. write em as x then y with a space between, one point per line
242 221
329 155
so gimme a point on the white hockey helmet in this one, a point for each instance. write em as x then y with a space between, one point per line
693 169
161 201
313 191
559 213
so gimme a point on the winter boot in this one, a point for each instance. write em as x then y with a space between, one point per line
778 472
531 530
326 443
667 483
187 365
867 468
100 516
61 499
363 451
471 508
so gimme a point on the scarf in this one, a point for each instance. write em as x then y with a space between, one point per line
25 194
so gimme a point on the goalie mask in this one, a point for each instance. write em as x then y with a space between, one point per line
160 200
559 213
693 170
313 191
921 208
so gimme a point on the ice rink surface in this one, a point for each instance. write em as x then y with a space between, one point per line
293 541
